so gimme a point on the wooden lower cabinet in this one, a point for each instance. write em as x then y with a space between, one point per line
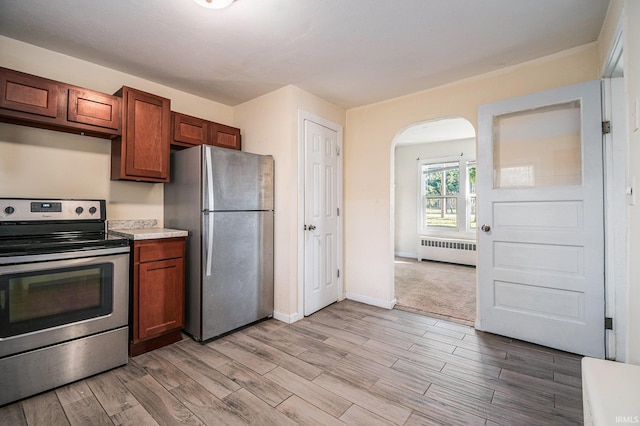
157 297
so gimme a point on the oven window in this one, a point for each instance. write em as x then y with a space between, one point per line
31 301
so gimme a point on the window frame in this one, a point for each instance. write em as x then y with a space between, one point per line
463 199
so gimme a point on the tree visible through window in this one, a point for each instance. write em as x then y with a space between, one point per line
448 195
442 188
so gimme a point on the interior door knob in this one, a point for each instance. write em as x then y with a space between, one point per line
311 227
485 228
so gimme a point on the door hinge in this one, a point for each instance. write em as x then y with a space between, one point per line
338 211
337 150
608 323
338 273
606 127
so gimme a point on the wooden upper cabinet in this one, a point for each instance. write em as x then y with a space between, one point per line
188 131
142 153
96 109
34 101
224 136
191 131
29 94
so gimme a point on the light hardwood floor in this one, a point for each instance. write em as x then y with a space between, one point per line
349 363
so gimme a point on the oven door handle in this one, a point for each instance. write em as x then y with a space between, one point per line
76 254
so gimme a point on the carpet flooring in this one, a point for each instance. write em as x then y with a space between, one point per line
436 288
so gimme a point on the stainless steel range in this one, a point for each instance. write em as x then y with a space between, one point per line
64 294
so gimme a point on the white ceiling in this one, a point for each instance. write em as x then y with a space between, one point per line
349 52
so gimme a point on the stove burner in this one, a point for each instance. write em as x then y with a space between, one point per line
29 227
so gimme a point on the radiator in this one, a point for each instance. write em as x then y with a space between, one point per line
447 250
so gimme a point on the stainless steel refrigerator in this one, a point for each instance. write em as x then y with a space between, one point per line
224 198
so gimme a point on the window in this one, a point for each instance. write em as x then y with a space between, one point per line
447 196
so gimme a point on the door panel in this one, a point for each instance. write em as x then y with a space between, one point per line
541 254
321 217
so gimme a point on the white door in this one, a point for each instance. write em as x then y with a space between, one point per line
321 217
540 195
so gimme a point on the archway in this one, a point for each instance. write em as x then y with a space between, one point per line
433 193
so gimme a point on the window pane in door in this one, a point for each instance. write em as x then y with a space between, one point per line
538 147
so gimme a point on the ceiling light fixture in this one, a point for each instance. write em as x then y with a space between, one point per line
214 4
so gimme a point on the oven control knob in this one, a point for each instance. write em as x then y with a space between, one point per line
79 210
9 210
92 210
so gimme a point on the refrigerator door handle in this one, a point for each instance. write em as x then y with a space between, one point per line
209 244
209 183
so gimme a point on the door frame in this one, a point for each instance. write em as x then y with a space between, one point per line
302 116
615 151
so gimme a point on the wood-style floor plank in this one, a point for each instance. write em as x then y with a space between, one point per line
12 415
357 415
256 411
208 377
388 410
265 389
316 395
276 356
349 363
431 411
304 413
111 393
85 412
44 409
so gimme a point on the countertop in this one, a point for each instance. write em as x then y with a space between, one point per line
146 229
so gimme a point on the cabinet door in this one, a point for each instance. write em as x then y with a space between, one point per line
28 94
224 136
93 108
188 131
142 153
161 297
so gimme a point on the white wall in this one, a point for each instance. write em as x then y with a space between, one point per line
406 187
49 164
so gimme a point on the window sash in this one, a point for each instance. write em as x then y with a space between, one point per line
464 221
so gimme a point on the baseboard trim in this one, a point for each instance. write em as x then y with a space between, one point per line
406 254
387 304
286 318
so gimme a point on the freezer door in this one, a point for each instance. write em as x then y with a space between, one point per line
237 276
236 180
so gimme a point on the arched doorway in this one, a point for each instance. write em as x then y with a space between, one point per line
434 218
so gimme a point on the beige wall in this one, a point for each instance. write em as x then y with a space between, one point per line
270 126
42 163
368 155
406 187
